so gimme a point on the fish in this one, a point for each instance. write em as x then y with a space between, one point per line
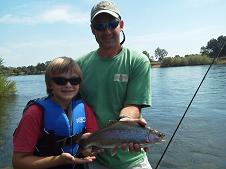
120 132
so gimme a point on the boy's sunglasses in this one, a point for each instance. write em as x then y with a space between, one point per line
63 81
107 25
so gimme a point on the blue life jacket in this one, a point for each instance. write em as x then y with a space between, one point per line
58 134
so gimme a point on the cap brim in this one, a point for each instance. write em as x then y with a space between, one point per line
106 11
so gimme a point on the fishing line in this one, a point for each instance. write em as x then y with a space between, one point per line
189 105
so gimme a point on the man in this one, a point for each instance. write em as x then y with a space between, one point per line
116 84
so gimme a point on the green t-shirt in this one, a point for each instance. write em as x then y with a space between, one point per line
109 84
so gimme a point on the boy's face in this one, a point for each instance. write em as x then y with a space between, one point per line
64 87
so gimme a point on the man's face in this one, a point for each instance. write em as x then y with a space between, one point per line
106 29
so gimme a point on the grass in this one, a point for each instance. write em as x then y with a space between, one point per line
7 87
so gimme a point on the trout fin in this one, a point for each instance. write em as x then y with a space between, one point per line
114 151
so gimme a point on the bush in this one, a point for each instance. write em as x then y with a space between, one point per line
189 60
6 87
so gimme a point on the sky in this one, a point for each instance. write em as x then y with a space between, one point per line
36 31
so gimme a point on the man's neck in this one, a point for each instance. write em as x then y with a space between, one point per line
109 52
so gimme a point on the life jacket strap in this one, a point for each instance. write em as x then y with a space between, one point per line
68 141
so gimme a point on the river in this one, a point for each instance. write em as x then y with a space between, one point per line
200 140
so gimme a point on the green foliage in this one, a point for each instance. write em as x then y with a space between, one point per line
23 70
6 87
148 55
160 54
189 60
214 46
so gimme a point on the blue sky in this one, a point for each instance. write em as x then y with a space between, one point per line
36 31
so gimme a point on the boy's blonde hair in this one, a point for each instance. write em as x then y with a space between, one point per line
58 66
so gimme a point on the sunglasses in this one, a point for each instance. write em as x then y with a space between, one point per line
107 25
63 81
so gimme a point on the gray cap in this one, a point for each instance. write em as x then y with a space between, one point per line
105 7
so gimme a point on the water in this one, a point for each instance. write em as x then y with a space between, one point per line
11 108
200 140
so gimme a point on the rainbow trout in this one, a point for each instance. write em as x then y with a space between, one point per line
122 132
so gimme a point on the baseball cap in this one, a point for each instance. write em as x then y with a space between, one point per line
105 7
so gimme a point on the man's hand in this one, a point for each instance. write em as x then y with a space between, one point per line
133 147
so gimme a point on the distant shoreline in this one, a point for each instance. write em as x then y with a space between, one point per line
156 64
40 68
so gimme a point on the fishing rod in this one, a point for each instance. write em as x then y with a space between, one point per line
216 56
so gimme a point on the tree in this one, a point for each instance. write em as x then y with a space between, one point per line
148 55
41 67
214 46
31 70
160 54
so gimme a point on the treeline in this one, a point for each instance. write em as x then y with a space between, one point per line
29 70
214 48
188 60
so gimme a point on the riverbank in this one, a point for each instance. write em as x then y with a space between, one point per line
191 60
157 64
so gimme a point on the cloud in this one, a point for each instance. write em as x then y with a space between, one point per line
38 44
10 19
4 51
27 53
55 14
64 14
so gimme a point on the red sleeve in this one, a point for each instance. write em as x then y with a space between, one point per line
29 130
91 123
